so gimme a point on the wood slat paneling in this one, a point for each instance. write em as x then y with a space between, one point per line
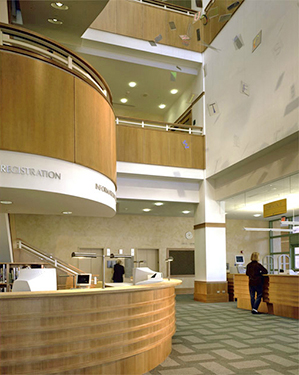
36 107
111 331
94 130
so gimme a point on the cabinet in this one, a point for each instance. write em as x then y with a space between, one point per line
9 273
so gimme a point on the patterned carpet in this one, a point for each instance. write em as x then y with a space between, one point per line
220 339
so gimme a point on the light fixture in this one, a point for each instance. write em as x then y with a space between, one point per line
185 212
59 5
6 202
124 100
174 91
158 204
162 106
55 21
146 210
67 212
132 84
257 215
81 255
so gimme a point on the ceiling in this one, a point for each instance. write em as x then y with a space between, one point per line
118 68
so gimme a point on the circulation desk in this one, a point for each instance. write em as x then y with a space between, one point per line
118 330
280 294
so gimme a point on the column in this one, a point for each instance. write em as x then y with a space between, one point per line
210 248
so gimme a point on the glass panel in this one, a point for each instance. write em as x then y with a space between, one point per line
296 262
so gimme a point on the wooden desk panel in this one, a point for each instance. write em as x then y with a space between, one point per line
280 294
121 330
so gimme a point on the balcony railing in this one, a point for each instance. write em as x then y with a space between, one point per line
17 39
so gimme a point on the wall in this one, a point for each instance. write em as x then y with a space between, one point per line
237 239
60 235
270 112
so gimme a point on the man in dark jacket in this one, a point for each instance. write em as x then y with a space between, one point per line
255 271
118 273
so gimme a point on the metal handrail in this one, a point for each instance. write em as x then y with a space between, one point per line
121 120
57 263
168 6
25 41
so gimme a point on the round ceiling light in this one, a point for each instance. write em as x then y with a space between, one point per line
132 84
185 212
67 212
158 204
146 210
59 5
55 21
162 106
174 91
124 100
257 215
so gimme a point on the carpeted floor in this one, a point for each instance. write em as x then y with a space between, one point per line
221 339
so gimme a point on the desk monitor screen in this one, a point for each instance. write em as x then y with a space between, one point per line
83 280
239 259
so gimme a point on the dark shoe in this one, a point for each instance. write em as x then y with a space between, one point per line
254 312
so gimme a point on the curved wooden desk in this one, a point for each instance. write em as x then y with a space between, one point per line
119 330
280 294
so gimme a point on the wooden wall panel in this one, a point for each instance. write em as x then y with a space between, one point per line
156 147
129 142
136 20
137 145
198 146
180 149
95 131
36 107
134 26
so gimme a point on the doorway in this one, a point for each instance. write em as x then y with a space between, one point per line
150 258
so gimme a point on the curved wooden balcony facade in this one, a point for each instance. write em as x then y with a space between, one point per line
54 103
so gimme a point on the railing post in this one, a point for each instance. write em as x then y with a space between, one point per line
70 62
1 38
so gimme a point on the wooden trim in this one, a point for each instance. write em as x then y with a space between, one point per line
190 107
209 225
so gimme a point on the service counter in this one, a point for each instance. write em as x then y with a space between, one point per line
117 330
280 294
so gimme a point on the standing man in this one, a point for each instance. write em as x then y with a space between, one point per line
118 273
255 271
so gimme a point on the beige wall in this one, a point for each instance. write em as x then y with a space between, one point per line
60 235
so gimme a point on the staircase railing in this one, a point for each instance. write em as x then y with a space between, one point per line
57 263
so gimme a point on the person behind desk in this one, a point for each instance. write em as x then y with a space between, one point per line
255 271
118 273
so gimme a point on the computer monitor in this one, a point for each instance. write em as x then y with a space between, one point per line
83 280
239 259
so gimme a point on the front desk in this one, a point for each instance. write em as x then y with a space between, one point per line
280 294
119 330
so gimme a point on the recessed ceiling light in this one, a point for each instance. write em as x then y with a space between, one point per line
158 204
146 209
257 215
67 212
59 5
6 202
174 91
55 21
124 100
162 106
186 212
132 84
